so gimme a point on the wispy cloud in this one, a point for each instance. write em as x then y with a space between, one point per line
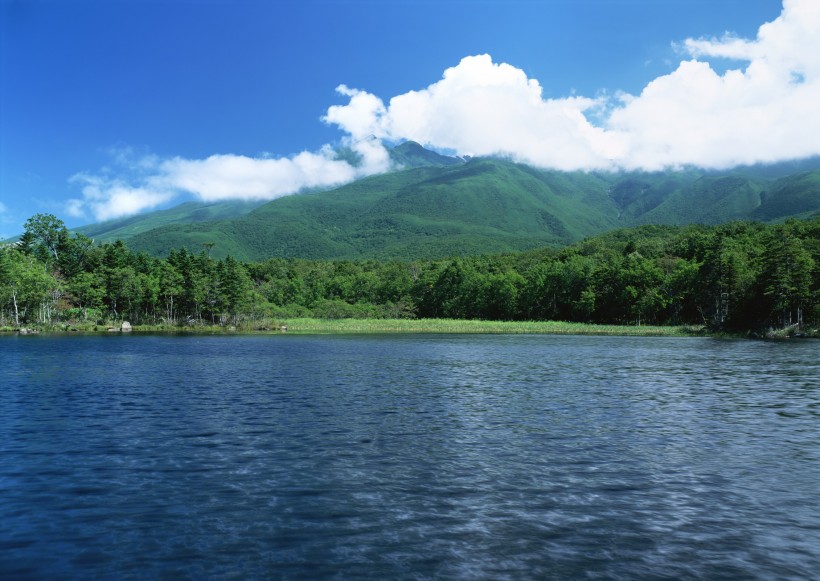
5 218
107 198
767 109
136 184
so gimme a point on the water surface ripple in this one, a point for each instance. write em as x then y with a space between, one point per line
408 457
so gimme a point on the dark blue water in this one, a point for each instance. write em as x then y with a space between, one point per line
408 457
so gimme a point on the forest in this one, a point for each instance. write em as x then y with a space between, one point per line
737 277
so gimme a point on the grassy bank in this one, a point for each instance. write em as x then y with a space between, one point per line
313 326
308 326
341 326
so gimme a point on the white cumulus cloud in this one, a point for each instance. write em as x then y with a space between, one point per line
109 198
483 108
765 109
152 182
223 177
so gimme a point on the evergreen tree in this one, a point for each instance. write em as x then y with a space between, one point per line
787 278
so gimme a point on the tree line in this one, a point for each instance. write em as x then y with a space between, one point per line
734 277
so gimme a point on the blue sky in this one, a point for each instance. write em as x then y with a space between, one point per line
120 106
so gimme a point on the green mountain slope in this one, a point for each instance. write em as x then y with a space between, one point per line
187 213
481 206
637 194
507 198
441 206
796 195
706 200
410 154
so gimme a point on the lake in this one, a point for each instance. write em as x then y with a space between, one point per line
408 457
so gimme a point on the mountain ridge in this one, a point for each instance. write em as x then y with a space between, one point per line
436 206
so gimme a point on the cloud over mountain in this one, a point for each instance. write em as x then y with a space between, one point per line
764 109
767 111
483 108
152 182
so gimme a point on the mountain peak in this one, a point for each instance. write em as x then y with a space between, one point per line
411 154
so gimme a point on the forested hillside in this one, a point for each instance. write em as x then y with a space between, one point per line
187 213
739 276
435 206
422 212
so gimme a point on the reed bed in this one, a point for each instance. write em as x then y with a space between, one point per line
352 326
312 326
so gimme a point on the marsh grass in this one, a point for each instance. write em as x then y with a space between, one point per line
340 326
312 326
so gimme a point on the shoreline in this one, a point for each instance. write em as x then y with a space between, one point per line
309 326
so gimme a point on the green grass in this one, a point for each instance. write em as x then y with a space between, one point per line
364 326
310 326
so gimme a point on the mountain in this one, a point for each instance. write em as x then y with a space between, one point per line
439 206
187 213
411 154
794 195
483 205
703 199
